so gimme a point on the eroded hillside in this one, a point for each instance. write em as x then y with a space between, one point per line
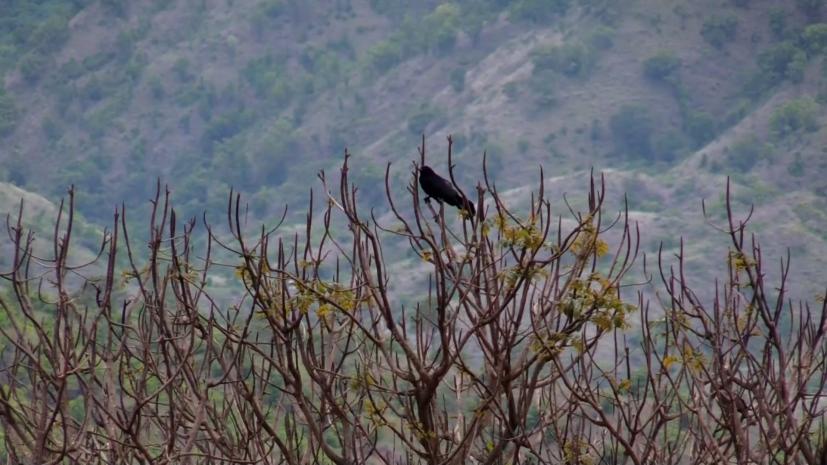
668 98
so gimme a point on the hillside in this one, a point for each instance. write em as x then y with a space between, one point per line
668 98
39 215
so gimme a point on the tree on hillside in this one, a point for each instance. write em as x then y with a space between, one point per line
8 113
632 127
515 349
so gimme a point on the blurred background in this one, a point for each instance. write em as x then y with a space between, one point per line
666 98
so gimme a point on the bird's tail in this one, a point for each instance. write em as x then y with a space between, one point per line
469 207
462 203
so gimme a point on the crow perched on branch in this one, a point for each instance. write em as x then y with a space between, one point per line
437 187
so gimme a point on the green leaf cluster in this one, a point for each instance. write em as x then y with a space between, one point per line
794 116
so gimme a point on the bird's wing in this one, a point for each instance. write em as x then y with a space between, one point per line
449 194
441 189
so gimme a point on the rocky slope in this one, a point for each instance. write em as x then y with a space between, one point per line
666 98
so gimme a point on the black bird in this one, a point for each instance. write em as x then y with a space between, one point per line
439 188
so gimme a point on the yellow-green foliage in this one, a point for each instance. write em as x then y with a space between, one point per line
516 235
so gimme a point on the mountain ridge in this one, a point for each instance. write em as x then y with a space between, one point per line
668 97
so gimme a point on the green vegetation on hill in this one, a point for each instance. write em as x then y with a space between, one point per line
8 113
258 96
